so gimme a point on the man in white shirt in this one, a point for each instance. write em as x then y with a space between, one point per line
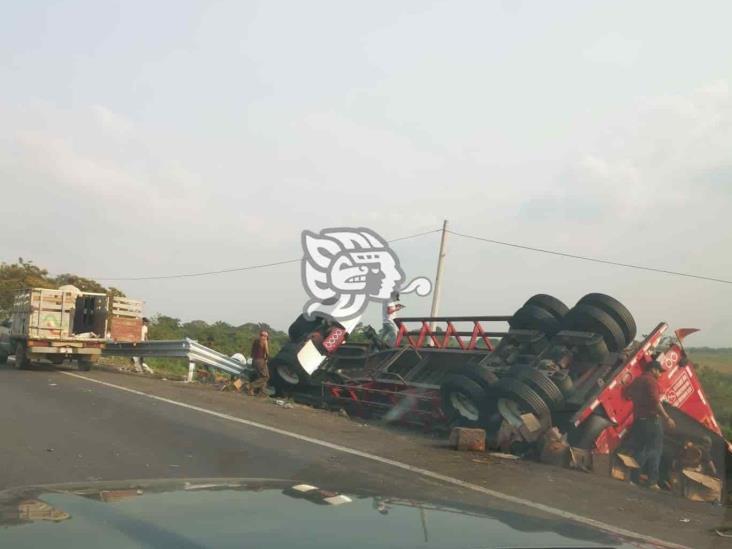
138 361
389 312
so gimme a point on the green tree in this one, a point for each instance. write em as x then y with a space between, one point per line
17 276
25 274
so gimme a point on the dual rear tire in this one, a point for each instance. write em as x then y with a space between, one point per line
541 312
605 316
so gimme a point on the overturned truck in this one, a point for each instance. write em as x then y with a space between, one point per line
553 368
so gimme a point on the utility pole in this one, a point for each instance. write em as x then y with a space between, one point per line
438 276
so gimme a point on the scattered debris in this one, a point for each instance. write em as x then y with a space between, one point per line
684 520
554 448
342 412
467 440
502 455
284 404
701 487
623 467
50 450
580 459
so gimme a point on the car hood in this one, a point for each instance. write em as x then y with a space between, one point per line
263 513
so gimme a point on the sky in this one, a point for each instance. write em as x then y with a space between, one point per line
156 138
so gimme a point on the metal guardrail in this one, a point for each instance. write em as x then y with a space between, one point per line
178 348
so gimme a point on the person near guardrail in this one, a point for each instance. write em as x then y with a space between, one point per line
138 361
260 356
647 431
390 309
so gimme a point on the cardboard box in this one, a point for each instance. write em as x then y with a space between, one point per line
580 459
468 440
623 467
701 487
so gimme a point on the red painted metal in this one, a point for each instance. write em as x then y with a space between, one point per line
679 382
334 339
679 386
402 403
448 335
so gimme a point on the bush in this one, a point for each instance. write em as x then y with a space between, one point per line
718 389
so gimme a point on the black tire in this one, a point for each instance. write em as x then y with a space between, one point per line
588 318
533 317
586 434
550 304
526 397
465 399
537 380
615 309
285 377
303 327
84 364
564 382
483 375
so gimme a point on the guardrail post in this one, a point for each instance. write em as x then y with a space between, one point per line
191 371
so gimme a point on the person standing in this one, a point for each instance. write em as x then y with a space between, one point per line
260 357
389 311
138 361
648 414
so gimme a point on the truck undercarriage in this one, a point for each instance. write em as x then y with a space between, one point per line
545 370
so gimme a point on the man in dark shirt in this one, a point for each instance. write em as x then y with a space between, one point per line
260 356
647 432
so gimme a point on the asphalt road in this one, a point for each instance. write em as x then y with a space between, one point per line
56 428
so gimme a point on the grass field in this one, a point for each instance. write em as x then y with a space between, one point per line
716 359
715 372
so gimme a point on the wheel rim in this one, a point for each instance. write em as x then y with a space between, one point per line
510 411
464 405
288 374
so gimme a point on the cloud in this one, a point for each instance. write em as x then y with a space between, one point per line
57 159
672 154
111 121
614 50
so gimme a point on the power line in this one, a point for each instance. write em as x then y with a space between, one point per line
593 259
238 269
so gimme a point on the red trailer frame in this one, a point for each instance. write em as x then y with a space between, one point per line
680 387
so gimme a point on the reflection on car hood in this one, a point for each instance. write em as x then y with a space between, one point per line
262 513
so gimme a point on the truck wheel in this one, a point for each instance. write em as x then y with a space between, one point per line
588 318
564 382
538 381
22 362
482 375
302 327
532 317
586 434
84 364
527 399
285 377
550 304
615 309
464 398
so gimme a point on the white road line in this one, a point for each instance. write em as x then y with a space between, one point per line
405 466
